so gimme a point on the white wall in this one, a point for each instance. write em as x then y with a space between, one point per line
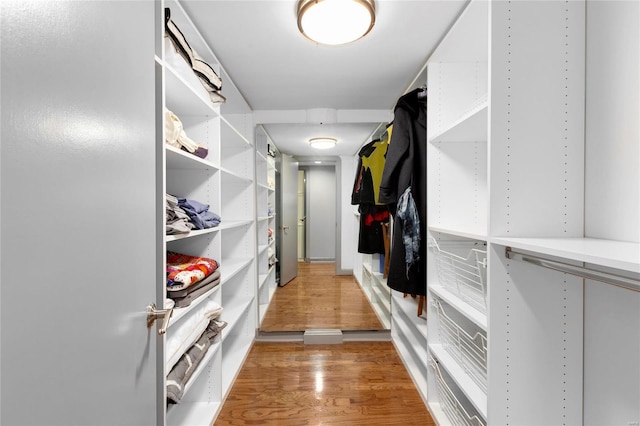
612 208
612 126
321 213
347 171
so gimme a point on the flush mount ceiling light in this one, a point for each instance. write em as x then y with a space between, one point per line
335 22
323 143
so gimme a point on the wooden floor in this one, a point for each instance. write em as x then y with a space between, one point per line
354 383
317 298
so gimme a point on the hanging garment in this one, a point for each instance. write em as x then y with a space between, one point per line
370 237
371 160
406 165
365 194
408 215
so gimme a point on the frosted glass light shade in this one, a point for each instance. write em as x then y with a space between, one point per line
335 22
322 143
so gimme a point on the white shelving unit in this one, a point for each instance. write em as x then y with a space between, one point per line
514 172
266 214
225 180
374 286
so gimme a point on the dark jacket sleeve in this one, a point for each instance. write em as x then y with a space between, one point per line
357 184
397 155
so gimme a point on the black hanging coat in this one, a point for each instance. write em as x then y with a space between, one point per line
407 165
365 194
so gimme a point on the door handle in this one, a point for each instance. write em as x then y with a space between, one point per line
284 227
153 314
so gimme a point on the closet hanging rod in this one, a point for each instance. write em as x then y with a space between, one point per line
580 271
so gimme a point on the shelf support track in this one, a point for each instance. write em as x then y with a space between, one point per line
580 271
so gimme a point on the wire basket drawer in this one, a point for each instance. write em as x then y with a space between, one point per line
454 404
463 273
467 345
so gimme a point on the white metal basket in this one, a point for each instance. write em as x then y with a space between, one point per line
470 350
464 275
450 404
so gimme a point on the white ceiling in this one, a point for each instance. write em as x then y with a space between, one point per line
284 75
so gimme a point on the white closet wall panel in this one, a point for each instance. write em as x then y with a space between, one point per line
613 128
612 208
348 244
612 351
537 118
535 345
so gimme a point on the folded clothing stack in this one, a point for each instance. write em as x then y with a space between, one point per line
205 73
175 135
177 220
183 297
187 345
199 213
183 215
183 271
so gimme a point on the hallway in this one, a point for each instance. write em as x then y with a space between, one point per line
317 298
353 383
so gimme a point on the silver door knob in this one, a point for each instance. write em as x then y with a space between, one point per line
153 314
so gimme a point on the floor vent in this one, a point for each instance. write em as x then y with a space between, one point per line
323 336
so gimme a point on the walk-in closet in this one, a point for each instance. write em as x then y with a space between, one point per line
466 173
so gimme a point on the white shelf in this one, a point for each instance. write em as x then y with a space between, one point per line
179 313
191 234
459 233
471 127
230 224
415 369
223 225
620 255
473 314
262 157
438 414
185 98
230 267
192 413
471 390
262 248
382 284
262 280
232 127
232 316
410 308
179 159
236 176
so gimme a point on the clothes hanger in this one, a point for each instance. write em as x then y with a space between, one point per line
422 94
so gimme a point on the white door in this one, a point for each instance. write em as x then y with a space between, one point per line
80 213
288 212
321 213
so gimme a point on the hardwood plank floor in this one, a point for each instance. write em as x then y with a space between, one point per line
293 384
317 298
